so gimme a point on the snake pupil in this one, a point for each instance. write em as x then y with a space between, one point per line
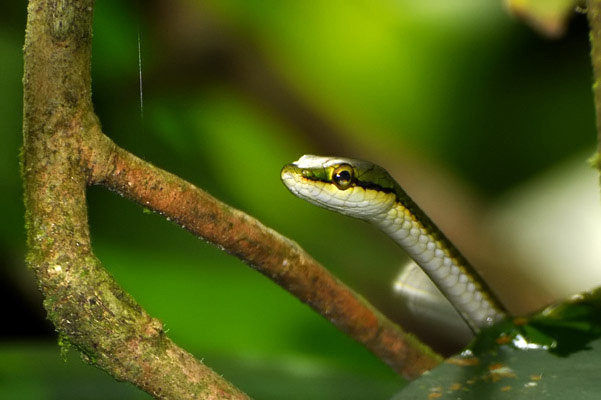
343 176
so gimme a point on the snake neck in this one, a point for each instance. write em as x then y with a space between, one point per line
406 224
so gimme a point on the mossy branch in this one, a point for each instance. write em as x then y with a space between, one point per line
262 248
65 150
83 302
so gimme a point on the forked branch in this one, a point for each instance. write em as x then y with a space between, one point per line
65 150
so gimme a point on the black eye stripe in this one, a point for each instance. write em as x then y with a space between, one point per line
374 186
346 173
356 182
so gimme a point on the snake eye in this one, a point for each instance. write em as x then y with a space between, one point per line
343 176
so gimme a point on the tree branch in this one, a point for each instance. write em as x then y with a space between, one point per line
262 248
594 18
64 149
85 304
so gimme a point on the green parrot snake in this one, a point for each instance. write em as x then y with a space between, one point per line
366 191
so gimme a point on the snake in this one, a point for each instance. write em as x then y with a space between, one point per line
366 191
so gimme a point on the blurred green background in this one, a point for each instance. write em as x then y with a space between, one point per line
453 97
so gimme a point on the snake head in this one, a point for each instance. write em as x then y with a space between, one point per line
353 187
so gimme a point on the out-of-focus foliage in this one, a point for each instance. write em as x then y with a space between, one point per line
548 17
228 87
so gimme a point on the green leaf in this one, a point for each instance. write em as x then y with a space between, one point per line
552 354
511 373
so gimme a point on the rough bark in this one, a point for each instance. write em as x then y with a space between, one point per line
82 300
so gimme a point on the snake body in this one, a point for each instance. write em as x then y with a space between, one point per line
364 190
